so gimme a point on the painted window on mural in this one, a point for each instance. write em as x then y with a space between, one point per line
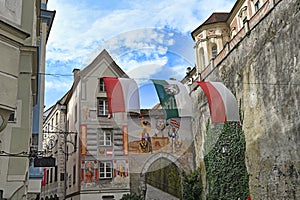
105 137
105 170
102 107
101 85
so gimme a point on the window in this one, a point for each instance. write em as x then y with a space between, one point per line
105 137
62 176
214 50
35 140
105 170
55 174
52 123
56 119
257 5
12 117
102 107
201 57
75 143
47 177
51 174
74 174
101 85
75 113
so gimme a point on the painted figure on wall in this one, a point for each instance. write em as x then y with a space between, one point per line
121 170
160 126
175 143
145 145
121 175
89 172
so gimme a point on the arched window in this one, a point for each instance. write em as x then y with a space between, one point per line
214 50
201 57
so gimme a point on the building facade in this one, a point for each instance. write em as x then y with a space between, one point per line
253 63
96 149
46 18
222 31
20 62
53 144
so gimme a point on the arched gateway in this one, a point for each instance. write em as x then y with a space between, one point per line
163 171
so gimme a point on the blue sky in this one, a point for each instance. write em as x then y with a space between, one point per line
146 38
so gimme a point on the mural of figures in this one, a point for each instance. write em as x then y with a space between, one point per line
154 134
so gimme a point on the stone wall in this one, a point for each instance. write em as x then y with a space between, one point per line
263 72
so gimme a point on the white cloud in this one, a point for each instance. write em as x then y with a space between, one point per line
142 69
76 28
136 33
58 85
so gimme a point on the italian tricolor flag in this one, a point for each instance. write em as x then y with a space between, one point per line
174 98
222 103
122 95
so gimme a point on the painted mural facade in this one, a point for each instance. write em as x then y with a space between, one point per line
153 135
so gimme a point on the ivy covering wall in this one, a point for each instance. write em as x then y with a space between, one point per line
226 173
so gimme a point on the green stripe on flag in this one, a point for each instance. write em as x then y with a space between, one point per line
167 101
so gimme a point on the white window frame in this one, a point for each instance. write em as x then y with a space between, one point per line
101 85
103 172
103 110
105 137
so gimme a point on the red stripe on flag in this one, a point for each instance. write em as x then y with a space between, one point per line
114 95
216 104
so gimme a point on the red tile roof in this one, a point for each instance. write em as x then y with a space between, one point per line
214 18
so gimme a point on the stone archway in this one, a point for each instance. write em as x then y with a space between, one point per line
163 171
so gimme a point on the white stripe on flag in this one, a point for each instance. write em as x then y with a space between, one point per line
229 100
183 99
131 95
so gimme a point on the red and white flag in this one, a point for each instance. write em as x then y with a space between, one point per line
222 103
122 94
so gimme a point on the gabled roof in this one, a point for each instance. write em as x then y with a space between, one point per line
216 17
104 55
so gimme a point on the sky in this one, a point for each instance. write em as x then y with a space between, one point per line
148 39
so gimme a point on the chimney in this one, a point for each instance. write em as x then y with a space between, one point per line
75 73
